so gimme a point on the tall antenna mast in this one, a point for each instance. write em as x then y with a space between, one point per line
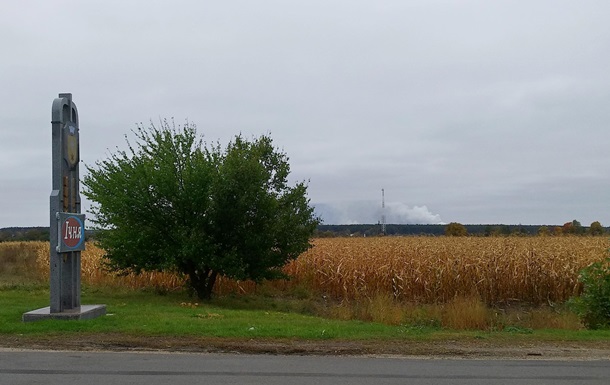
382 211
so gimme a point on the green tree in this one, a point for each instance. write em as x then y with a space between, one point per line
171 202
578 229
456 229
596 228
593 306
573 227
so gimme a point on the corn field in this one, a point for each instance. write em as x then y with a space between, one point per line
535 270
93 272
437 269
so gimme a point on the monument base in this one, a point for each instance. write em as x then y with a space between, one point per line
83 313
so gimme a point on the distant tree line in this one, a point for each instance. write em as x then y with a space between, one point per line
457 229
370 230
18 234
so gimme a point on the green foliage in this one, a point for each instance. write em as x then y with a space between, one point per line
171 202
596 228
518 330
573 227
593 306
544 231
456 230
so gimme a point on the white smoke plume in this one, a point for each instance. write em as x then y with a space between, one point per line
370 212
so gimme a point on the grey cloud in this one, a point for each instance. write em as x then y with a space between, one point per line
469 108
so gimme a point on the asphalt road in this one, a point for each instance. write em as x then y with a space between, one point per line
55 368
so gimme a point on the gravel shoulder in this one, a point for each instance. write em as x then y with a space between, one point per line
454 349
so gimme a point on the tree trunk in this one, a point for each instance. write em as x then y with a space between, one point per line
202 281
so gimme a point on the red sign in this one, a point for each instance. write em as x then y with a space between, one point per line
72 232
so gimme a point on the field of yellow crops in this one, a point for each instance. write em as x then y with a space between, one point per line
94 272
410 269
437 269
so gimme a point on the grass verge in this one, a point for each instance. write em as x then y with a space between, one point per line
142 315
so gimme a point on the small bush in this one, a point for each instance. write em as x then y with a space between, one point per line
593 306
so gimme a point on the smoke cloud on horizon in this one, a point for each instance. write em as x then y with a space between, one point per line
370 212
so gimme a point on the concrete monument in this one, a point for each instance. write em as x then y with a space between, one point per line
67 224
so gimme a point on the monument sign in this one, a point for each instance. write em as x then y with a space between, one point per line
67 224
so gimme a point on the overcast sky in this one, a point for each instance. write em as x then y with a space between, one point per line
470 111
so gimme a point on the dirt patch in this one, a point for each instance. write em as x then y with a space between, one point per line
588 350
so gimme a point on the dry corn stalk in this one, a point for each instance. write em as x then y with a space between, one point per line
411 269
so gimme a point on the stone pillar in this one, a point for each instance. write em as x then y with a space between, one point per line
67 224
65 197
